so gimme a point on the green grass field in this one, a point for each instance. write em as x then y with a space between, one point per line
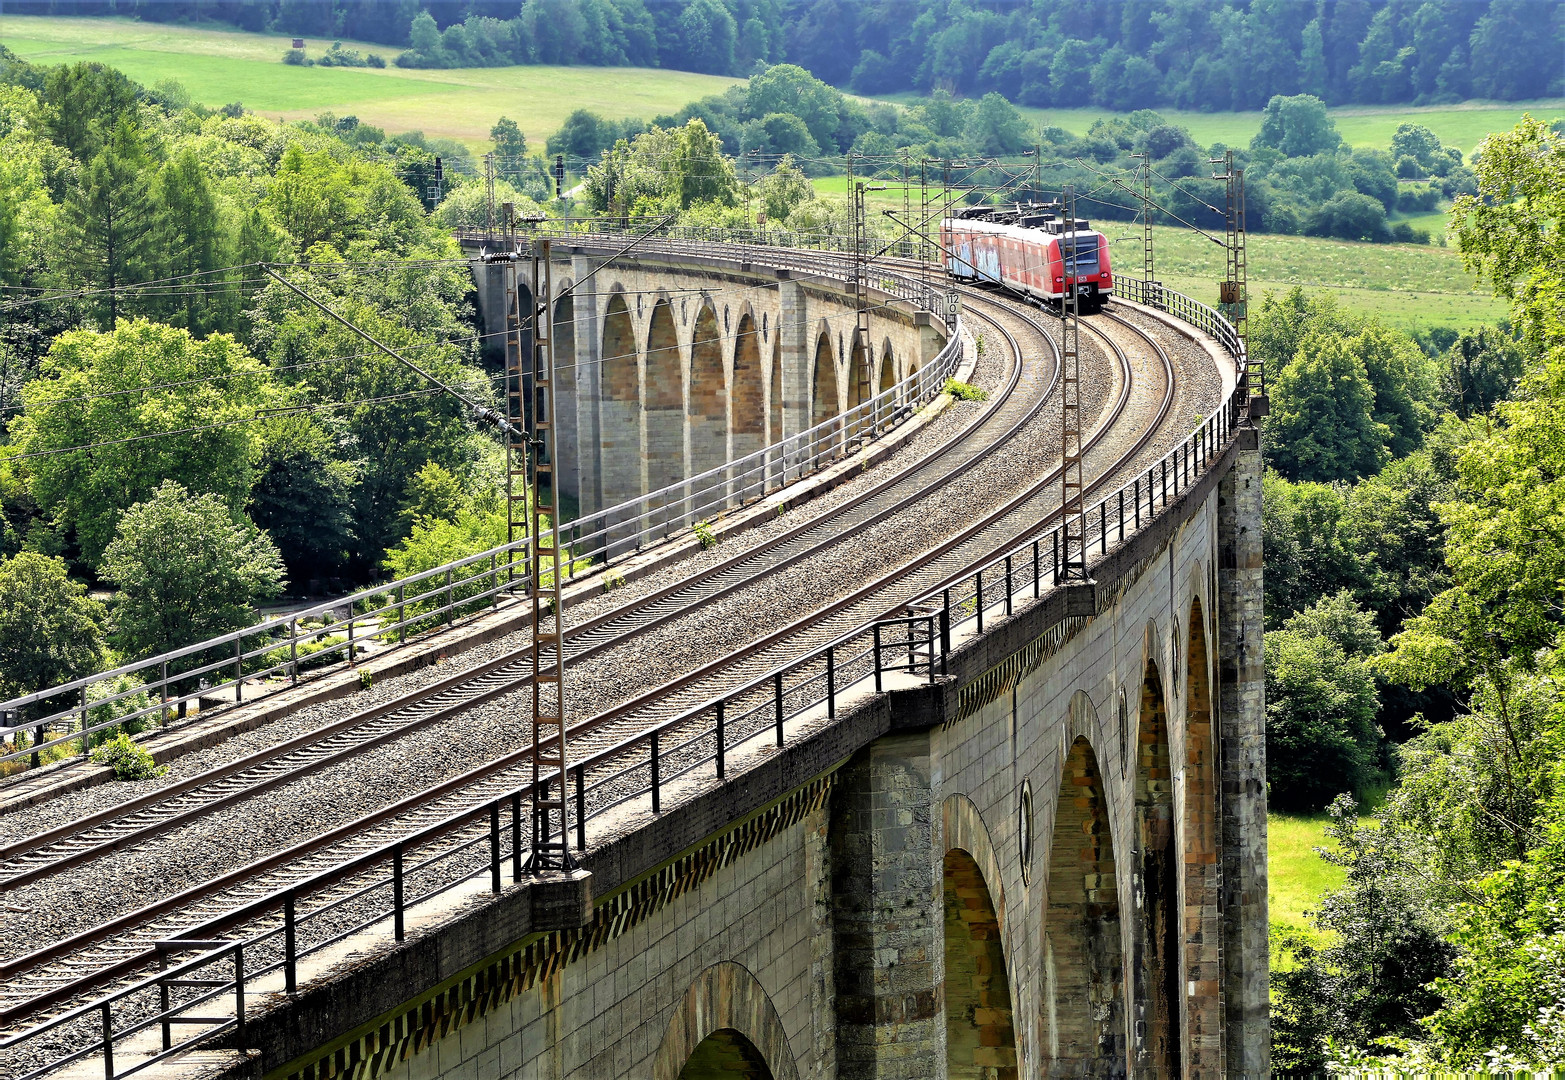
1404 285
220 66
1462 125
1295 875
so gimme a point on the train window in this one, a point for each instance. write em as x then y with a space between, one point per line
1085 260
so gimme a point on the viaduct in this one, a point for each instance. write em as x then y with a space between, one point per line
1043 855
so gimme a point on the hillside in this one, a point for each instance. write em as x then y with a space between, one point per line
218 66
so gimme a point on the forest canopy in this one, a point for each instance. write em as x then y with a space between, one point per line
1119 54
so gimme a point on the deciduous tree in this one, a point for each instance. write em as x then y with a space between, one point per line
187 569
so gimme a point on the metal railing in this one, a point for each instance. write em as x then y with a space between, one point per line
271 655
383 884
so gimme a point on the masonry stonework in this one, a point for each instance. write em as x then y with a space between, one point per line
1049 863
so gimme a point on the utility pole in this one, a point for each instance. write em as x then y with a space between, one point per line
516 477
861 288
1147 270
1073 489
1233 290
550 848
489 195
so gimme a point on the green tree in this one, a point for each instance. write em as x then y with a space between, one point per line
51 631
174 409
785 188
1298 126
996 127
584 135
788 88
1322 425
1481 368
111 218
434 494
1321 700
84 103
1369 976
510 150
191 236
303 496
187 570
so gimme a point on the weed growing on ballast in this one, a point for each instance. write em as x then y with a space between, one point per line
965 391
127 758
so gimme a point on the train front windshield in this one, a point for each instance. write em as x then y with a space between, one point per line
1081 254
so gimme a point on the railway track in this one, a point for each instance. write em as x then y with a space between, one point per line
165 809
91 958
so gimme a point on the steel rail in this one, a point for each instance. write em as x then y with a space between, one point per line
67 833
1103 479
10 968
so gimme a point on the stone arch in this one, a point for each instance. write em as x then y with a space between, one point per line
774 417
1203 926
861 371
723 1055
708 416
980 1026
1083 998
1157 942
825 401
749 390
725 997
663 401
888 367
621 438
567 468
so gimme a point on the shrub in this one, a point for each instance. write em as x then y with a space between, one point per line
297 58
107 711
613 579
965 391
704 533
375 60
128 760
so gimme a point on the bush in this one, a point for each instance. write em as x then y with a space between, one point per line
1404 233
107 711
375 60
297 58
965 391
128 760
704 533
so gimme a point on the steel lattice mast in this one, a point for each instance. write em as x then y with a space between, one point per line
550 843
1073 567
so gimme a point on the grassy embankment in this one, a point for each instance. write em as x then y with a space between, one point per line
1404 285
1461 125
220 66
1295 875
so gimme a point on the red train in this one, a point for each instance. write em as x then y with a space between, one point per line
1022 248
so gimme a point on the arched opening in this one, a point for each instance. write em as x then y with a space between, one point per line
621 406
664 402
774 417
825 403
888 367
1083 999
568 467
723 1055
1203 924
1157 970
708 395
861 373
980 1037
747 424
